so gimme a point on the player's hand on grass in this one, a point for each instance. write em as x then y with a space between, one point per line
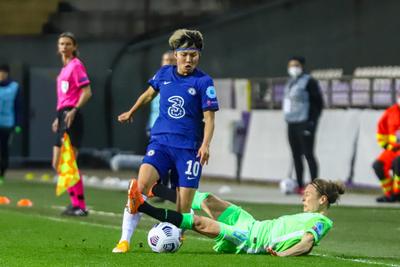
204 154
125 117
272 252
69 117
54 125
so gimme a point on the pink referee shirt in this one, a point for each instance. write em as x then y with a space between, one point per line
71 79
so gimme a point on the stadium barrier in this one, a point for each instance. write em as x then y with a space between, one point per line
343 92
367 149
345 147
223 159
266 155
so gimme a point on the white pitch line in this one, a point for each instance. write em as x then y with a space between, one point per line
103 213
110 214
357 260
79 222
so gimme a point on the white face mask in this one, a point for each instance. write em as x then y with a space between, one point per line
294 71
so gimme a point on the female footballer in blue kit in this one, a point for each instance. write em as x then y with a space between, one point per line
181 135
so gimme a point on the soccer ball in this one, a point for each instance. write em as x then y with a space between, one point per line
287 186
164 238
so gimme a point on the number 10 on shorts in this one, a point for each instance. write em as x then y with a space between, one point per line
192 168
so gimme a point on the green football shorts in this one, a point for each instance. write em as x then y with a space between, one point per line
235 224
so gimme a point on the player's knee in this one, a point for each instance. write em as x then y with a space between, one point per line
198 223
210 200
379 169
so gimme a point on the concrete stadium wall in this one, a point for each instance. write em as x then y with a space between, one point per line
342 135
266 155
335 142
222 160
367 148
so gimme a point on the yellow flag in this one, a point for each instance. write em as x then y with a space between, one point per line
68 173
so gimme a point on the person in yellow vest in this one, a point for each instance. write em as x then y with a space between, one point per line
388 134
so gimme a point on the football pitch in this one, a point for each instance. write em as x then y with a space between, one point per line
39 236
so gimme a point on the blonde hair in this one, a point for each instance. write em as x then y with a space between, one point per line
332 190
184 38
71 36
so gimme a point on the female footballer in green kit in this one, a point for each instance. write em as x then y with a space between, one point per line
236 231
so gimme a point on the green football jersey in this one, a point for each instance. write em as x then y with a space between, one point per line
286 231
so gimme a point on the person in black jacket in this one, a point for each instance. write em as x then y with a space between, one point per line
302 107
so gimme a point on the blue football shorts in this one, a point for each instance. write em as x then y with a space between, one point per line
184 164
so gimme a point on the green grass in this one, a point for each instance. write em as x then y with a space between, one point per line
39 236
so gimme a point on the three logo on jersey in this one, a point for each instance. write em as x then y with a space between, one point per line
177 111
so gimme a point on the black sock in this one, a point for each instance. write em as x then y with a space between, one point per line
162 215
164 192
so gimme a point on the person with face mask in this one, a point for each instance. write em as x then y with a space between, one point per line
388 137
302 107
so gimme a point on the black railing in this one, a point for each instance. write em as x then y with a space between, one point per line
344 92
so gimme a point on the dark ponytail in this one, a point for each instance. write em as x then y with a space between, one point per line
332 190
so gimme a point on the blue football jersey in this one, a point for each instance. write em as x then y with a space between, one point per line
183 99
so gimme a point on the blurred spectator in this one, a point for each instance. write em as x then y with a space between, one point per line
166 59
10 115
302 106
388 137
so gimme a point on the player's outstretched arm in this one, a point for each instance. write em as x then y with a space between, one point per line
143 99
303 247
209 122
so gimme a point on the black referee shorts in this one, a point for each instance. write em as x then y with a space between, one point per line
75 131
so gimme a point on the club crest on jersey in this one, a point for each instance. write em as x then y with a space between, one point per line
176 110
151 152
192 91
210 92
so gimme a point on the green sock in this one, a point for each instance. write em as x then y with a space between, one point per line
187 221
221 234
198 199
